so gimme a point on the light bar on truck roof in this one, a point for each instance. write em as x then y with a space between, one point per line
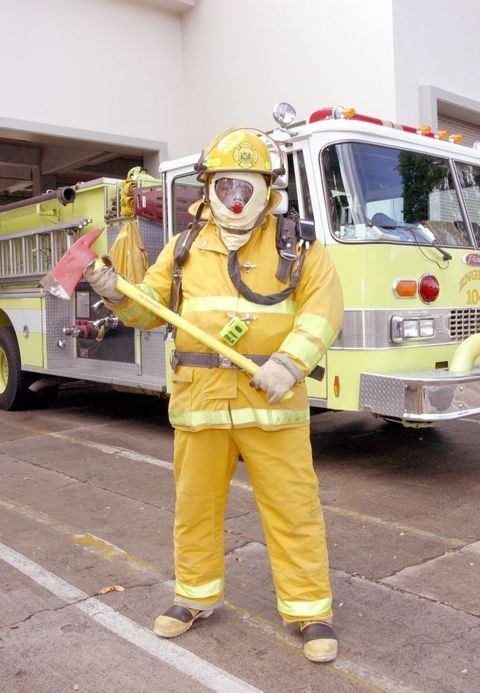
342 113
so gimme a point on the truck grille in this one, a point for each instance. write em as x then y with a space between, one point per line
463 323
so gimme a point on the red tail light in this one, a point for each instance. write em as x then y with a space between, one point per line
428 288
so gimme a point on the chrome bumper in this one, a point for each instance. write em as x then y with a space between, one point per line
426 396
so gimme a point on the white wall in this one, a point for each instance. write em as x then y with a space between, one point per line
111 66
436 43
243 57
133 68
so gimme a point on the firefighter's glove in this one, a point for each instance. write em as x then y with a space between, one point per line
103 281
276 377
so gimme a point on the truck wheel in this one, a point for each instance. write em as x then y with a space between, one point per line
14 392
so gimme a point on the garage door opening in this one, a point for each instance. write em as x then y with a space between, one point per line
445 110
32 161
462 123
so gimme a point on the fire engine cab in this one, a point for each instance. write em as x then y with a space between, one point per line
398 209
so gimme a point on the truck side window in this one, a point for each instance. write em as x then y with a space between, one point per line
186 190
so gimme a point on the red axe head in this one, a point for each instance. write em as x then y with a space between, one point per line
64 277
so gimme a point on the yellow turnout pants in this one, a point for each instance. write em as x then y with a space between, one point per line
280 467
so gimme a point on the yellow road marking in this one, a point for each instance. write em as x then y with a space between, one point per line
343 512
89 542
393 526
107 551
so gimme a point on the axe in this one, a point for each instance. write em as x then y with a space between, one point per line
65 275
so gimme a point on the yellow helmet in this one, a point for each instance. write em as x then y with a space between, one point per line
236 150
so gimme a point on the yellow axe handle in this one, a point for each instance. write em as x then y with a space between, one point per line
244 363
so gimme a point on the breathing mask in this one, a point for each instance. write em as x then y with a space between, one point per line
238 202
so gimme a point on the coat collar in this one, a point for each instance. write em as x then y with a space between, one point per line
209 238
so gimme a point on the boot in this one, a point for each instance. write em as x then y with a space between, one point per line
177 620
320 641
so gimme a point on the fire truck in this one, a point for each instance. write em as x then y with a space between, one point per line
398 209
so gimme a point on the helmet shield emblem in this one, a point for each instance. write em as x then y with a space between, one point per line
245 155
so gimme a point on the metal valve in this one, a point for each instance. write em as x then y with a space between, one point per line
72 331
91 329
110 322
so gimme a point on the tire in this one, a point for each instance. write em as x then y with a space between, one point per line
14 383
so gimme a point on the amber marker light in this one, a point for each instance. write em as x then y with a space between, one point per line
336 386
456 138
405 288
348 113
424 130
442 134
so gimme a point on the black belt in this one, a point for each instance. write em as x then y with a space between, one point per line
207 360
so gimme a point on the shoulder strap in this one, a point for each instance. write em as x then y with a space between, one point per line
181 250
290 234
184 242
286 241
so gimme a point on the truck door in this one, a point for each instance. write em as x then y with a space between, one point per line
183 189
303 203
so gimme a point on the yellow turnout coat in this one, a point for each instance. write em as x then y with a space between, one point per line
303 326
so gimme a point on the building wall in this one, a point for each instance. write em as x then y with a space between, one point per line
241 58
435 44
112 66
136 68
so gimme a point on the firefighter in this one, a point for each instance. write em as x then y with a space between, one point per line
233 285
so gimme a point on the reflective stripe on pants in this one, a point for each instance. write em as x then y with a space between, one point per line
280 467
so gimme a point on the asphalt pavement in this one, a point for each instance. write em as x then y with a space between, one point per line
86 520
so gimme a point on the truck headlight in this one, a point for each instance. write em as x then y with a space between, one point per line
403 329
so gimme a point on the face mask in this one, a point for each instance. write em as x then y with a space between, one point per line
233 193
238 207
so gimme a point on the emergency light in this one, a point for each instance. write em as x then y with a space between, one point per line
342 113
284 114
428 288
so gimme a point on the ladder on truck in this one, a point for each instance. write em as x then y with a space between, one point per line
28 255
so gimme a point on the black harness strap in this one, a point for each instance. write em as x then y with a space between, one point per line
289 232
286 242
182 248
271 299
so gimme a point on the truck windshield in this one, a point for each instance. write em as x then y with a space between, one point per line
383 194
